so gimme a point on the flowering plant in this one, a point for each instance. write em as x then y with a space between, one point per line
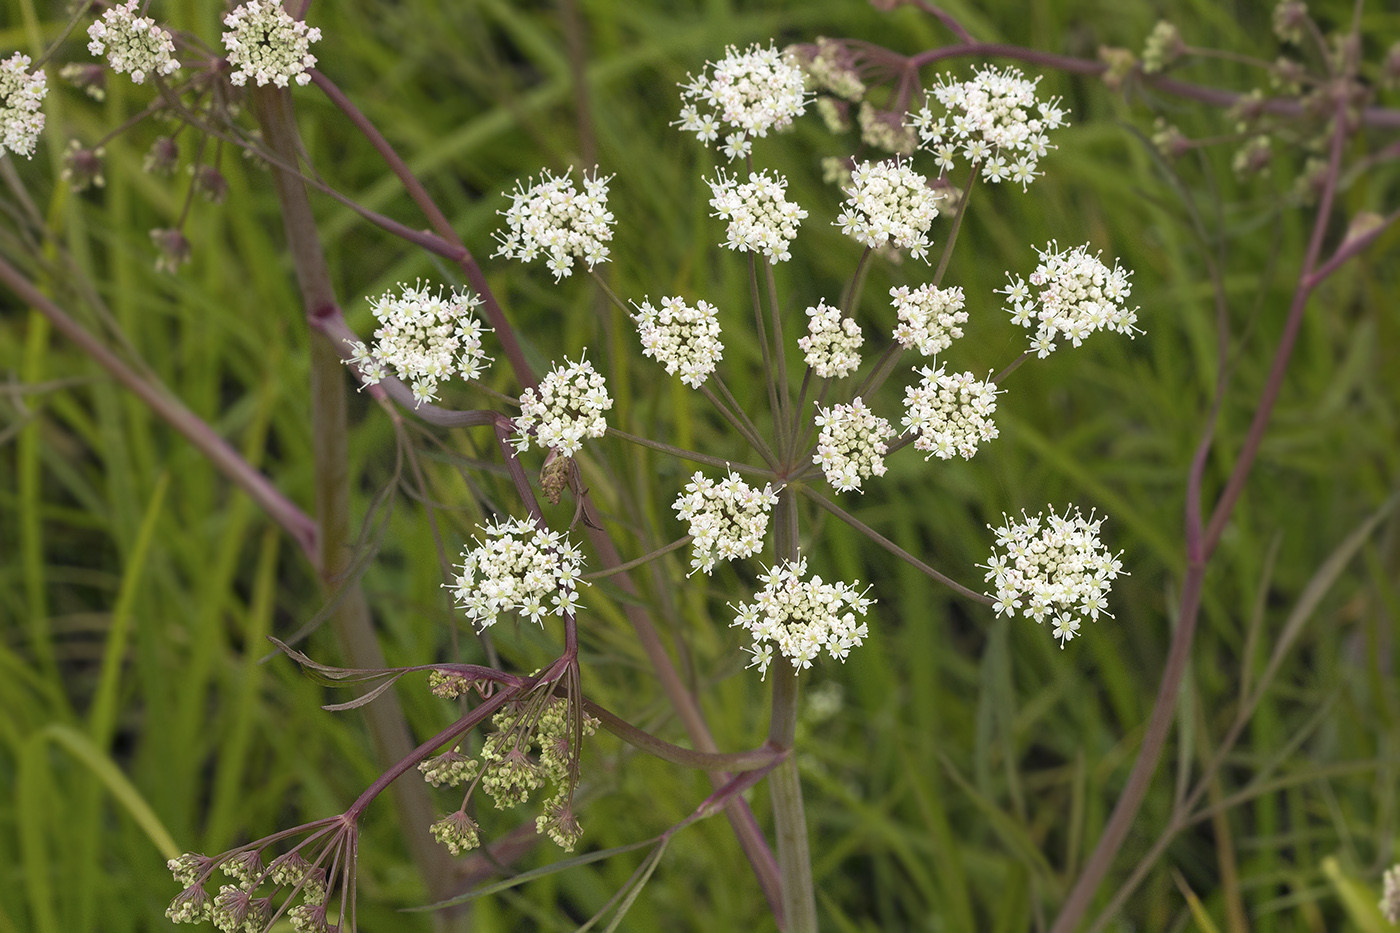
661 509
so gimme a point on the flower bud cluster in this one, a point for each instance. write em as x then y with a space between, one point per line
567 408
952 414
451 768
832 344
928 317
457 831
990 118
267 45
236 908
132 43
728 519
889 202
761 219
422 337
554 218
683 339
886 129
744 95
851 446
831 66
1164 46
1058 567
1078 295
21 100
519 567
801 618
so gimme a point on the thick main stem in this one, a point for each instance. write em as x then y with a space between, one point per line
785 785
330 432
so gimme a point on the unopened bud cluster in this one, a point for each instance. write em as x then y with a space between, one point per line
237 908
928 317
851 446
728 519
951 413
518 567
889 202
509 772
558 220
423 337
1054 568
761 219
832 344
831 66
1076 294
567 408
132 43
802 618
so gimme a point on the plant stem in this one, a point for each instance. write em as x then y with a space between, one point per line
330 431
785 785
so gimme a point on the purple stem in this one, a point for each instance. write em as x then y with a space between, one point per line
225 458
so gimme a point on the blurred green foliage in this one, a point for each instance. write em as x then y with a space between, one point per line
971 764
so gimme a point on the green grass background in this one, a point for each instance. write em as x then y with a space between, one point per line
971 764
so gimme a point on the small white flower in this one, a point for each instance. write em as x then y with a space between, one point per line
132 43
745 95
267 45
851 446
517 567
889 201
952 414
1059 566
21 97
683 339
555 218
996 120
422 337
928 317
802 617
832 344
1076 295
761 219
567 408
728 519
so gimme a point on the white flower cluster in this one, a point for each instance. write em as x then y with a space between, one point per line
683 339
801 617
851 446
761 219
832 343
518 567
889 201
951 414
555 218
132 43
568 407
990 118
746 95
267 45
727 519
928 317
1059 567
423 336
1078 295
21 96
